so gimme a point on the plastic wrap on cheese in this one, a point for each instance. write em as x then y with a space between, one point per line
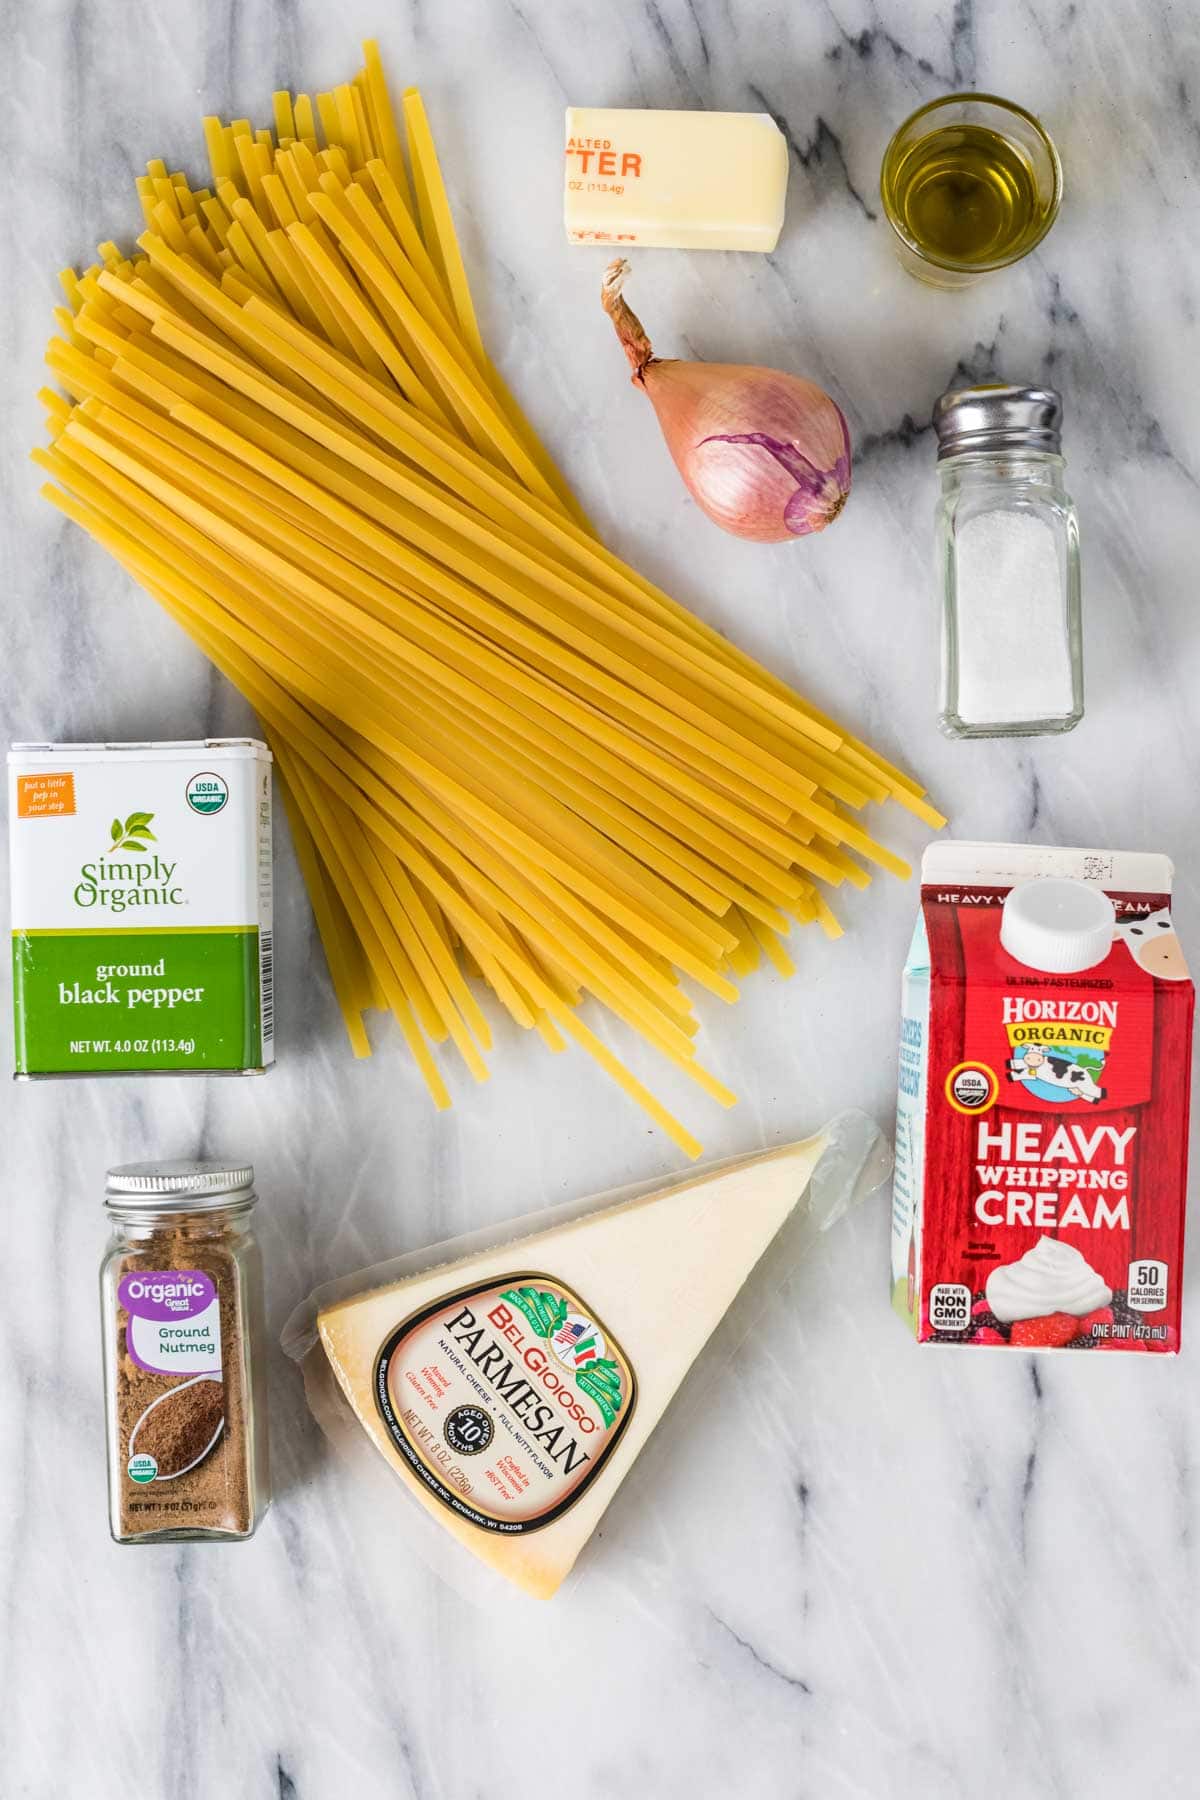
511 1379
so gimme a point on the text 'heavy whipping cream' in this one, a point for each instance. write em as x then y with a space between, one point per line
1041 1131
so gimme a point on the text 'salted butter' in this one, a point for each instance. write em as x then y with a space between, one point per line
673 180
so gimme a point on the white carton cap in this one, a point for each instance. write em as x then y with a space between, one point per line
1060 926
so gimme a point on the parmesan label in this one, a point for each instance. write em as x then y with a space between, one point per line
505 1400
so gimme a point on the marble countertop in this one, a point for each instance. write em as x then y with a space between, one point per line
853 1571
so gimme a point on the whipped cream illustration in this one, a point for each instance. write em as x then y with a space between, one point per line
1052 1277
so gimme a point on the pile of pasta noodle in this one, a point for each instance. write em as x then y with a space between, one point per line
504 754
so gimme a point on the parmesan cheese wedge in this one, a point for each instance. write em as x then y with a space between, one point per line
512 1390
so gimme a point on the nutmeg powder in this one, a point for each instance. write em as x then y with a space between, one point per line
195 1427
181 1429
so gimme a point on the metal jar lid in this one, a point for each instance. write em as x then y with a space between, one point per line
145 1188
990 419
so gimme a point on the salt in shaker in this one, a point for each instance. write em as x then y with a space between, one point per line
1008 565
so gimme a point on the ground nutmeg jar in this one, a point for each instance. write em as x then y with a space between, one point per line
181 1297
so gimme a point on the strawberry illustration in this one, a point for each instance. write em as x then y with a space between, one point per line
1103 1315
1050 1332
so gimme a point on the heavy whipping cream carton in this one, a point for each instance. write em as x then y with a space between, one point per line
141 907
1042 1118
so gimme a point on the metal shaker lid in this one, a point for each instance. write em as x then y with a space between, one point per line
996 418
152 1187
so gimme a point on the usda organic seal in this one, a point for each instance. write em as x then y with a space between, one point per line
207 793
141 1469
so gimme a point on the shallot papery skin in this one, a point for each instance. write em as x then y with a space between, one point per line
765 454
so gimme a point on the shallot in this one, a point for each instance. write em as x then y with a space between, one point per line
765 454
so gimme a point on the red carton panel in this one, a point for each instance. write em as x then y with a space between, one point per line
1042 1121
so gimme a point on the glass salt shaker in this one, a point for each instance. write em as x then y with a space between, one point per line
1008 565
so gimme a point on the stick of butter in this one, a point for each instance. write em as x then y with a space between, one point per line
674 180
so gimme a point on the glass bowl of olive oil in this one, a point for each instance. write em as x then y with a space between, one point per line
970 183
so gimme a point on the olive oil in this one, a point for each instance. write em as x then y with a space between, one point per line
968 196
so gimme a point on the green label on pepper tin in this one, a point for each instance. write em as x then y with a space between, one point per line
99 1002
